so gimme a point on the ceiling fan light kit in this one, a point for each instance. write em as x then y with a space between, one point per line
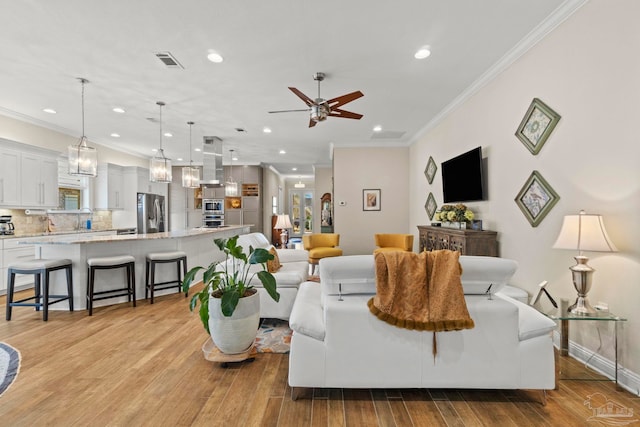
321 108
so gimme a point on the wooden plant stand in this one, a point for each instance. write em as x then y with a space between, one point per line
213 354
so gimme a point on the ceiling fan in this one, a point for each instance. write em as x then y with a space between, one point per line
322 108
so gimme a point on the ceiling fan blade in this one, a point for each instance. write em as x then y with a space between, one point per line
312 123
336 112
344 99
302 96
289 111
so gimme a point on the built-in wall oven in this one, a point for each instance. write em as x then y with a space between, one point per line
213 213
212 221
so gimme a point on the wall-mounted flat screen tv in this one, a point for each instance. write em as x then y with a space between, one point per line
462 177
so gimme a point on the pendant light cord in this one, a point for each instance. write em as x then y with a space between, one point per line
83 81
190 126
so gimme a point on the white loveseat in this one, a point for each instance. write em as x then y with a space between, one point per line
294 271
337 342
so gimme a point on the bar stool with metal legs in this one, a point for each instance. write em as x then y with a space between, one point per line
41 269
108 263
164 258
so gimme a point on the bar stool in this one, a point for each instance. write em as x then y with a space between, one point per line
164 258
40 268
108 263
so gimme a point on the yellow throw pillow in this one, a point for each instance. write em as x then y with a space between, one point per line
273 265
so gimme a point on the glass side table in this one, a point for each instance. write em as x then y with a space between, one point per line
564 317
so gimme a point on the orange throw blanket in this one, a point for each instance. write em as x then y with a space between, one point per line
420 291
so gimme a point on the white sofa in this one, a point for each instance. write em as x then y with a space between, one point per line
294 271
337 342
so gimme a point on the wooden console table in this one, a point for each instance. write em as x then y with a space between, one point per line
467 242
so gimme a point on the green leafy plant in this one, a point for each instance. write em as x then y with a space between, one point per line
229 279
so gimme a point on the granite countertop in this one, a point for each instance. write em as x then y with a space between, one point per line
56 233
87 237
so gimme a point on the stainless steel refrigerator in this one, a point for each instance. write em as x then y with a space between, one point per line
151 213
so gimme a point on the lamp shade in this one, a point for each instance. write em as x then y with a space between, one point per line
283 222
584 232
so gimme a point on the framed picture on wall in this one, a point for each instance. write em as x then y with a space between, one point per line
430 170
371 199
537 125
536 198
430 206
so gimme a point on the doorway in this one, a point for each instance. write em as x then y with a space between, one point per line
301 207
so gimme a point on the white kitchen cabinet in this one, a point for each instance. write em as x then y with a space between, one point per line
13 252
38 180
9 177
109 187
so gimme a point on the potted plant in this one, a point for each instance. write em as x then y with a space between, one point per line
229 305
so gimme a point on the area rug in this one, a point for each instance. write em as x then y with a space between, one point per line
9 366
274 336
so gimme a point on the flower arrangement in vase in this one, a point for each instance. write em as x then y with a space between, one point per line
457 214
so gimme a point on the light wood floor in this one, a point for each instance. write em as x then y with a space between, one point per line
144 366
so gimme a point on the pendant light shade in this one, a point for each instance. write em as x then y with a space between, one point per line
160 166
190 175
231 187
83 160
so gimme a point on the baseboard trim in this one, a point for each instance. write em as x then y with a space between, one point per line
627 379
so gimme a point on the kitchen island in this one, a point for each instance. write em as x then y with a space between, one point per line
197 243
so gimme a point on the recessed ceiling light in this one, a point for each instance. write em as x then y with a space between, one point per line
266 130
197 149
155 150
179 159
422 53
49 110
294 169
283 152
235 159
118 110
377 128
168 134
115 135
214 57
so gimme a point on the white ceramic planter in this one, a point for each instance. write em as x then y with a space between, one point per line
236 333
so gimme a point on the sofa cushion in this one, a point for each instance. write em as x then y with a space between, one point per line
273 265
480 272
324 252
293 255
290 275
307 314
257 240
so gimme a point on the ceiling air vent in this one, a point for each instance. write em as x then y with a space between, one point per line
169 60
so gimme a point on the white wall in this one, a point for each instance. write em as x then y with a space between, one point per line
587 70
356 169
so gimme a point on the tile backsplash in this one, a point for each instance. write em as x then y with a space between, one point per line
34 224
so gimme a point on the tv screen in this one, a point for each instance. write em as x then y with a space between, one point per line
462 179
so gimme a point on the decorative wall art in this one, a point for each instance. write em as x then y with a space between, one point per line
371 200
430 170
536 198
430 206
537 125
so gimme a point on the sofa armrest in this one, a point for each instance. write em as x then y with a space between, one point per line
307 317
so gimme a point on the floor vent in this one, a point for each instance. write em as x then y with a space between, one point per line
168 59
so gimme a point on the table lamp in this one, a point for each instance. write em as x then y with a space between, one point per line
583 232
283 224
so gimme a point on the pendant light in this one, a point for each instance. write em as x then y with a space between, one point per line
190 175
160 166
83 160
231 187
299 184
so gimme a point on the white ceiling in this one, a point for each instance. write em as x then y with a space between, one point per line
267 46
